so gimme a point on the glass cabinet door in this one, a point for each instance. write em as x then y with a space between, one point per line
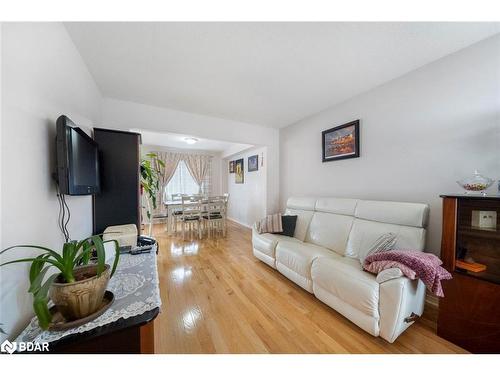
478 238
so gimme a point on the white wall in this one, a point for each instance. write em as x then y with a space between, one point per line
129 115
419 134
43 77
247 201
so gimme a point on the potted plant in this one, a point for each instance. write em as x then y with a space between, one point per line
78 289
151 170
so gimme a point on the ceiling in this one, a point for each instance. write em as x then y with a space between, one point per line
177 141
272 74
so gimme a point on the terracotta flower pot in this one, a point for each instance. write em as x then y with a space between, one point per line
81 298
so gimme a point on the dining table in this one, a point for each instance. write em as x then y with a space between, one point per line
174 205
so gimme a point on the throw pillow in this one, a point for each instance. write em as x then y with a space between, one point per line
288 223
385 242
270 224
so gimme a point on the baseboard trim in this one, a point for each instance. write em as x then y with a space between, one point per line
239 222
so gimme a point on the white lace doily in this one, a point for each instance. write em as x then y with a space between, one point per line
135 285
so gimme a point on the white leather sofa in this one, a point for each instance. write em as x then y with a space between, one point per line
323 258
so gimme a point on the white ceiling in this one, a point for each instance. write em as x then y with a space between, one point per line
177 141
272 74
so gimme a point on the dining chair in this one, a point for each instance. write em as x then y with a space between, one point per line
215 216
226 201
197 196
177 212
191 215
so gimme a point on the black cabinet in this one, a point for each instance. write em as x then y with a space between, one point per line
119 200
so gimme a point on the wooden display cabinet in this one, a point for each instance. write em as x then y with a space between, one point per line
469 314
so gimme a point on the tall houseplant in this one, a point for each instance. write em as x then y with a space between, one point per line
152 169
75 255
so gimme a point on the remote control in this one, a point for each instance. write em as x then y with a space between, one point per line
141 249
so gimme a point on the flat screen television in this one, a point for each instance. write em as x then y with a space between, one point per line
77 160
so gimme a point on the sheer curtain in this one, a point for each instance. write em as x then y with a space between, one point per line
183 182
199 166
171 160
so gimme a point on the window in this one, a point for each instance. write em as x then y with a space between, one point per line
183 183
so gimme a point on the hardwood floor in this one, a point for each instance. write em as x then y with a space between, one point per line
217 298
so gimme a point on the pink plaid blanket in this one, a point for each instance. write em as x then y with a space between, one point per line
414 264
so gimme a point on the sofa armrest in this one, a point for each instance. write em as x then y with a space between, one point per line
399 299
389 274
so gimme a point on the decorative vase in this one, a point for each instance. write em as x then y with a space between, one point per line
83 297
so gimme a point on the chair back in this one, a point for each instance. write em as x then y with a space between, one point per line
177 197
216 207
191 206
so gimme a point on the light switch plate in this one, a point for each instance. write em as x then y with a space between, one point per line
484 219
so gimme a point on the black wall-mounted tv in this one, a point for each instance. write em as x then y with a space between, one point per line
77 160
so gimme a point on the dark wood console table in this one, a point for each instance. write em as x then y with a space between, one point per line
128 325
125 336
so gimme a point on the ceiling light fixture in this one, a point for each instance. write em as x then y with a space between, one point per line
190 141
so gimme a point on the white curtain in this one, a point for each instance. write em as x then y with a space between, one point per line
171 160
181 182
198 166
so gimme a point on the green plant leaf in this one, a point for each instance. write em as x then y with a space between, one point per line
101 254
51 252
84 257
41 309
44 290
86 252
48 260
117 256
40 303
36 267
68 250
36 284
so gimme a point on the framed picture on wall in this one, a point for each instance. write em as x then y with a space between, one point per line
253 163
341 142
238 171
231 166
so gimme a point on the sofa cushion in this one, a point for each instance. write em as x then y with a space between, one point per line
345 279
298 258
364 233
330 231
301 203
303 219
342 206
266 242
400 213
